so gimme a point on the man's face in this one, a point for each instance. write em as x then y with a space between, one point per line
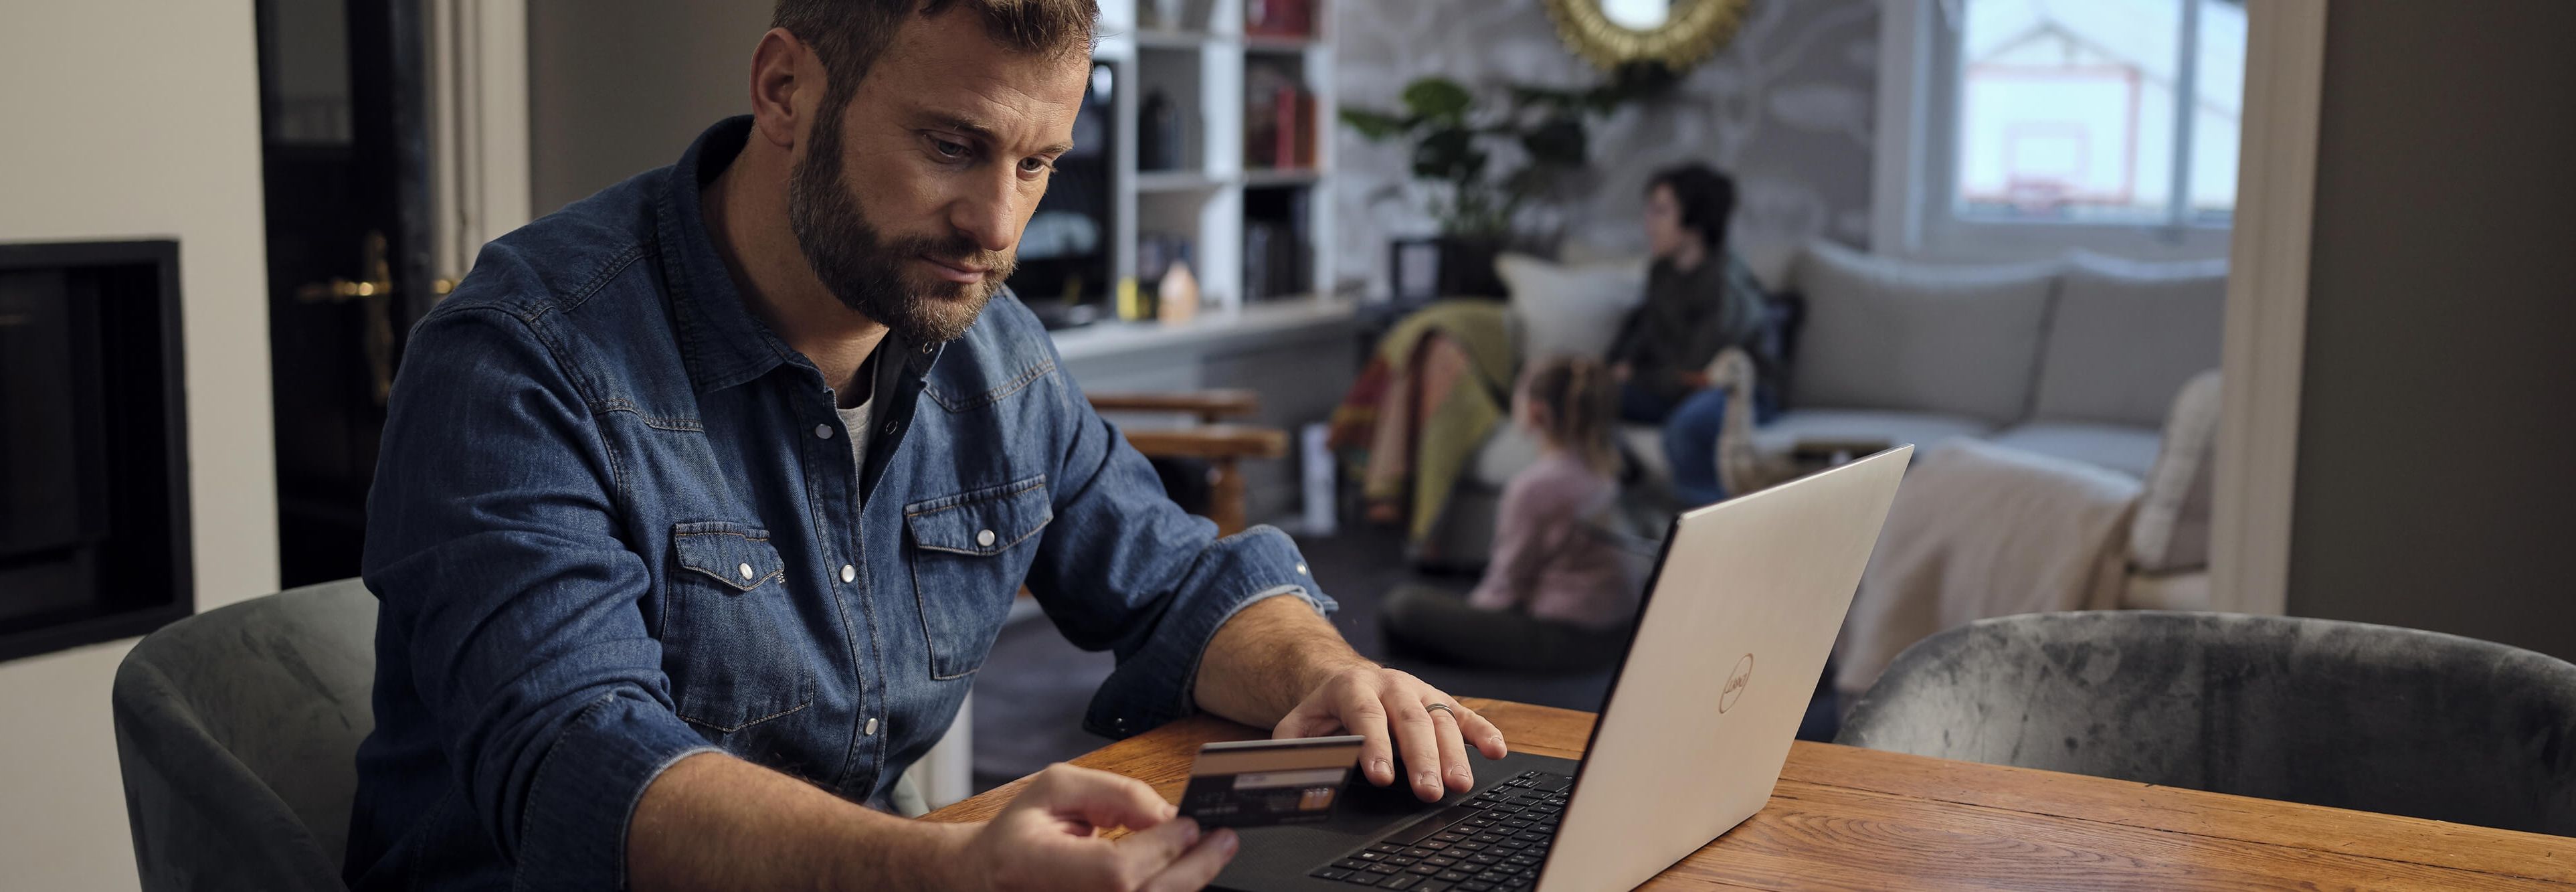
909 203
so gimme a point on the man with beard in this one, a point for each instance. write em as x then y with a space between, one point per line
702 500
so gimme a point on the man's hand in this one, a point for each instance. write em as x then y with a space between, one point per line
1046 839
1371 701
1280 664
1694 380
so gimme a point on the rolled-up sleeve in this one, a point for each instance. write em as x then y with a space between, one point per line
1122 568
515 606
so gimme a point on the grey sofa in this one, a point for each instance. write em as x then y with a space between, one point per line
2084 358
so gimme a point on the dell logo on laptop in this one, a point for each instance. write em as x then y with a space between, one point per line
1735 682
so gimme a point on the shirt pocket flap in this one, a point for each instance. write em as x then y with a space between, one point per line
983 521
737 555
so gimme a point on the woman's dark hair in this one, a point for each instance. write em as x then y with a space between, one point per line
1706 196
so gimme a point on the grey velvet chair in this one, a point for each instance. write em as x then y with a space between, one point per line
2329 713
237 730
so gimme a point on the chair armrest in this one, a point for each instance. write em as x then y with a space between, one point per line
1208 405
1213 441
2171 529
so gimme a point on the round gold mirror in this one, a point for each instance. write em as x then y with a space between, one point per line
1676 33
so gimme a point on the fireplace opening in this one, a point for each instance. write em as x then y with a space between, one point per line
93 445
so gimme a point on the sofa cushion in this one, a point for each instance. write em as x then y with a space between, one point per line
1569 310
2171 532
1882 333
2125 336
2119 447
1919 428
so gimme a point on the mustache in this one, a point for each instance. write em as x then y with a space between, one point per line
957 250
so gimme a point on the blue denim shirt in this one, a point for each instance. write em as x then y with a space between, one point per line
616 522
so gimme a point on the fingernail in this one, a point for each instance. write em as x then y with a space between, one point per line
1190 833
1226 841
1430 779
1380 767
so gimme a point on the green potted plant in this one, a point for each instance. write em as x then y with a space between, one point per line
1476 207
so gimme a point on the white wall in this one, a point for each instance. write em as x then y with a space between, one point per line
619 87
130 118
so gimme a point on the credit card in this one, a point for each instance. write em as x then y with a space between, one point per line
1256 783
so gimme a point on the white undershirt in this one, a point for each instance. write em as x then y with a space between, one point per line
855 420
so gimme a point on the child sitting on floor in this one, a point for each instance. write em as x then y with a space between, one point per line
1560 592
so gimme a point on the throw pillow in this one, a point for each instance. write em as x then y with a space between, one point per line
1882 333
1576 310
2125 336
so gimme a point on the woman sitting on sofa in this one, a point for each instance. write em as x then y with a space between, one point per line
1700 301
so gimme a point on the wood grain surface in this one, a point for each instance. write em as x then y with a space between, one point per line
1847 818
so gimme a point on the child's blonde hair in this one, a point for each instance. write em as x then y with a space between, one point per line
1579 398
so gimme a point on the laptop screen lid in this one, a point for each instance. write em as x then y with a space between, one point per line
1729 642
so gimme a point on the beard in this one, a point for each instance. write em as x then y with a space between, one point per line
873 274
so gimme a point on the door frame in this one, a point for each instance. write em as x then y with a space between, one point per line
2265 338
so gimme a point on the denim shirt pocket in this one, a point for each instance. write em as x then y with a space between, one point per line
730 632
970 552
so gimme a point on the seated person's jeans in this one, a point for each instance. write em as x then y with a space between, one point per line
1690 435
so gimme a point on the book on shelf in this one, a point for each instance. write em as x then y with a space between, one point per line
1279 118
1279 18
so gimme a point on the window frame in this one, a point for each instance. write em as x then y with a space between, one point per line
1917 163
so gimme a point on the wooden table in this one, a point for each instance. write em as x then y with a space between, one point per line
1847 818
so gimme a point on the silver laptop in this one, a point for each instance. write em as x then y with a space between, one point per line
1730 641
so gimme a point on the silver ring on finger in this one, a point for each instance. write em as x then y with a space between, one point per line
1443 707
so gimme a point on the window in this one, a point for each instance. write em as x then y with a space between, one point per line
2046 124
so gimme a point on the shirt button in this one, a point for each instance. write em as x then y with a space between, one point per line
984 538
849 573
746 571
823 431
1301 569
926 348
872 728
891 427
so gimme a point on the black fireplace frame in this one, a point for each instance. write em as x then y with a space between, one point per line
111 615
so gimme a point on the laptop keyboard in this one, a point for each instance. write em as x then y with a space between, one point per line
1491 842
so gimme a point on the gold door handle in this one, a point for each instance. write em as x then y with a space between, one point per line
376 290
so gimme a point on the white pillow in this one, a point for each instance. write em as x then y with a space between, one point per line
1575 310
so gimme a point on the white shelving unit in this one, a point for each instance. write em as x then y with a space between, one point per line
1204 199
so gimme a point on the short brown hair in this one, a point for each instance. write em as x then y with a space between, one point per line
851 34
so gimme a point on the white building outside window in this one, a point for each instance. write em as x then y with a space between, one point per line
2031 126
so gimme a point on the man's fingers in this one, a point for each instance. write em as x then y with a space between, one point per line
1479 733
1454 769
1197 867
1366 717
1305 722
1098 798
1420 744
1148 852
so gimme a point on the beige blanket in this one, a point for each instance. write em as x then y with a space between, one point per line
1980 531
